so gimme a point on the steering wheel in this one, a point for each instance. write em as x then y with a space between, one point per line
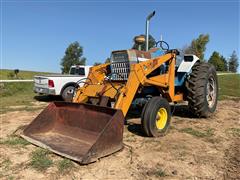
163 44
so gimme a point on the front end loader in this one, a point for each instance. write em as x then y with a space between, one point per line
91 126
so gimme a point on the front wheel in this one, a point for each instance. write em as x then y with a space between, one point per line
156 117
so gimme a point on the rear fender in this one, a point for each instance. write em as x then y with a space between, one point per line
187 63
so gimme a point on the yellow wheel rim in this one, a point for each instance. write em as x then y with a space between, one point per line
161 118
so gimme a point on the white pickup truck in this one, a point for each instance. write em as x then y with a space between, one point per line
58 84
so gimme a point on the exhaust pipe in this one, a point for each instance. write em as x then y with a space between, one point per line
147 28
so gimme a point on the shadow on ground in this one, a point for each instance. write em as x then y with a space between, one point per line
136 129
181 111
133 119
48 98
177 110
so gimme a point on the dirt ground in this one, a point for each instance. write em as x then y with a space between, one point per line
192 149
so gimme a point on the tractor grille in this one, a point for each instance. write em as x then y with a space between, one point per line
120 70
120 65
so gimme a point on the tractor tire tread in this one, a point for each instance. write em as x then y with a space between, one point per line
195 87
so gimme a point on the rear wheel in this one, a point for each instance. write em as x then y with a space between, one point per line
67 93
156 117
202 89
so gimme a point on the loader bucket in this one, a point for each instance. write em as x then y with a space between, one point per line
80 132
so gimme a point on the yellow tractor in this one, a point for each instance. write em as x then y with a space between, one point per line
91 126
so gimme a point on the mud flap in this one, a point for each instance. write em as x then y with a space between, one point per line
80 132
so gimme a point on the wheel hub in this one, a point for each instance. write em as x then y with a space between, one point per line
211 92
70 92
161 118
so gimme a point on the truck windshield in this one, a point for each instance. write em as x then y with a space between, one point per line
77 71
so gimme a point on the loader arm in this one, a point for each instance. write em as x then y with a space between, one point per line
122 93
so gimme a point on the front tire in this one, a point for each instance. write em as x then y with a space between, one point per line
202 89
156 117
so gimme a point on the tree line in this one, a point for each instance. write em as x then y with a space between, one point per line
74 54
221 63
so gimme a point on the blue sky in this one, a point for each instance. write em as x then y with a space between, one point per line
35 34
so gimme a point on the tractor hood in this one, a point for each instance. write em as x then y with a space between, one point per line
135 56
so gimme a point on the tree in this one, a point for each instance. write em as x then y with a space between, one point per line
225 63
73 56
198 46
233 62
217 61
152 43
107 60
96 63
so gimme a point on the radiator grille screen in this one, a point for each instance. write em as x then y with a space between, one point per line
120 66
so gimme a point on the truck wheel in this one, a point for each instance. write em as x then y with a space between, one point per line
67 93
202 89
156 117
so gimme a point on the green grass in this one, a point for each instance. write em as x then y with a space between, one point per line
5 164
6 73
40 160
234 131
11 177
15 94
65 165
229 86
158 172
15 141
201 134
16 88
